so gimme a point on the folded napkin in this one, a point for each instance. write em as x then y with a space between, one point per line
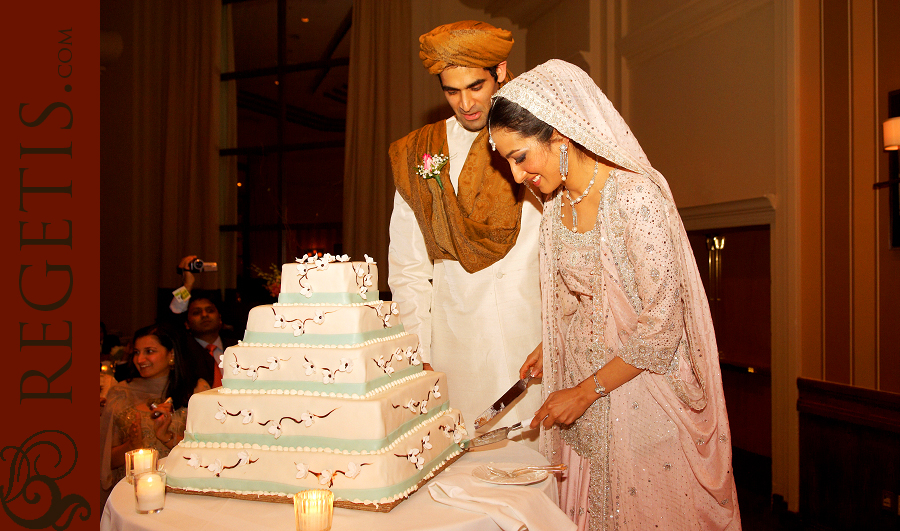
512 507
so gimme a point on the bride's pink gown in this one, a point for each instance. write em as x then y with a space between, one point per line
655 453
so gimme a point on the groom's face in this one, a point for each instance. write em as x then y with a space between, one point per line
469 91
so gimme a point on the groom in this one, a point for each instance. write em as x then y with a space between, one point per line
463 251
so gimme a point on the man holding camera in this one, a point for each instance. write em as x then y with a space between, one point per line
203 321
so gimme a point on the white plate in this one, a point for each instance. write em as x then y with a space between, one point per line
525 478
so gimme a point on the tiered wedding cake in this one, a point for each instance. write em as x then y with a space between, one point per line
325 391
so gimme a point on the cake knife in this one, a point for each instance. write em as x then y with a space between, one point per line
494 436
517 389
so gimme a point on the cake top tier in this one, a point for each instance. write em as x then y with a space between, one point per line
328 279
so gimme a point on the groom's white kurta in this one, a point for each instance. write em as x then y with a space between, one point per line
476 327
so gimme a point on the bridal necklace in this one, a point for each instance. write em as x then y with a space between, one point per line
573 202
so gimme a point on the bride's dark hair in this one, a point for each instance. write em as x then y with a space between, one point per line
512 116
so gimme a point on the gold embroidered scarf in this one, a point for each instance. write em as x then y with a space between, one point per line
475 226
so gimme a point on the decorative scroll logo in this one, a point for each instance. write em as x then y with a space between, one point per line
33 473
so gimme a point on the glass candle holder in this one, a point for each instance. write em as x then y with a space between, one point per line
313 510
138 461
149 492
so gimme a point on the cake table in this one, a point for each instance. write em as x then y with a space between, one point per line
419 512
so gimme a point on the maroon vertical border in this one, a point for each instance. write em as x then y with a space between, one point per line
49 273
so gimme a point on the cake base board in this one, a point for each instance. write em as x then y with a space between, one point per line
344 504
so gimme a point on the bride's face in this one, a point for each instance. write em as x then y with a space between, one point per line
531 162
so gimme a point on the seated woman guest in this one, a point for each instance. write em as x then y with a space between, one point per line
148 411
633 398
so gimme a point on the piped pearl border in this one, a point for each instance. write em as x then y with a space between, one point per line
243 343
293 392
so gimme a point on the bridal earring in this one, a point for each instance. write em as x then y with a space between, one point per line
563 161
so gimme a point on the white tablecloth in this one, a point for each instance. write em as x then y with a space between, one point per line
418 512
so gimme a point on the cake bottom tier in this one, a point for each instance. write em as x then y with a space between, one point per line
267 473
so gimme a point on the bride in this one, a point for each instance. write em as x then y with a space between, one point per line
633 397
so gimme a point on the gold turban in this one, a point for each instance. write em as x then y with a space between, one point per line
468 43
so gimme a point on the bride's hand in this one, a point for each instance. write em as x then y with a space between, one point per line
563 407
534 363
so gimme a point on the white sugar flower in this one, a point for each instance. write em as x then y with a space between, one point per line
327 376
235 368
312 259
321 264
411 405
243 458
389 370
414 358
343 258
301 260
398 354
279 321
327 257
298 328
302 470
387 320
352 470
325 477
422 408
320 317
369 259
306 291
275 429
426 442
310 368
346 365
367 280
215 467
222 362
362 292
307 419
380 361
436 391
377 305
252 374
194 461
394 309
458 435
416 458
360 271
248 416
273 363
221 415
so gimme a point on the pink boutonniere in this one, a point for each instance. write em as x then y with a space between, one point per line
431 167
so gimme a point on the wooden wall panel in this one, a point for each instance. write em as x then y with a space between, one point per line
849 456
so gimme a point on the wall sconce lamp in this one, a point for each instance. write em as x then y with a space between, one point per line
891 143
892 134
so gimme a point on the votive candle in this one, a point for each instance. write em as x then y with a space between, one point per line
149 492
138 461
313 509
